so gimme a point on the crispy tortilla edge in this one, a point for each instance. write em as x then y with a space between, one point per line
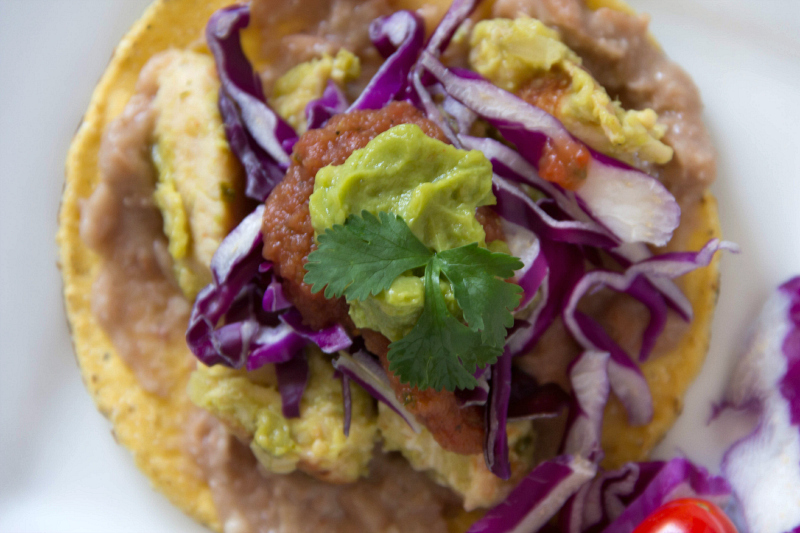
670 374
149 426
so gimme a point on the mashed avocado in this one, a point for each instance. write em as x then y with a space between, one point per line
394 312
433 186
306 82
467 475
512 53
250 405
199 190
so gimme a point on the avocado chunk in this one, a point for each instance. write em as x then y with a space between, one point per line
433 186
513 53
306 82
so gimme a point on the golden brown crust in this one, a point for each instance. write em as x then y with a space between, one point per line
151 427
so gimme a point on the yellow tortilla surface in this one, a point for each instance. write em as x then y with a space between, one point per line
151 427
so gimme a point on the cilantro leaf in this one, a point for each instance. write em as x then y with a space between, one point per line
478 279
439 352
364 256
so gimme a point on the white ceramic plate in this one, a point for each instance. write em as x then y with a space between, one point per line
60 470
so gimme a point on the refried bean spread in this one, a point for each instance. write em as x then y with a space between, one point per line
134 297
139 304
619 52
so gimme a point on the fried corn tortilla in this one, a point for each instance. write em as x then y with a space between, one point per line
151 426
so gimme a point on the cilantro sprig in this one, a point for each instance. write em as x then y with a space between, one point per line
366 254
478 279
439 352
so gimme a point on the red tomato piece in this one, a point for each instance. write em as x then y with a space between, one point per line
687 515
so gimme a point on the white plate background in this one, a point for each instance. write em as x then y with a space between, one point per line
60 470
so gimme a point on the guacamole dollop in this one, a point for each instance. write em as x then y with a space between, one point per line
433 186
511 53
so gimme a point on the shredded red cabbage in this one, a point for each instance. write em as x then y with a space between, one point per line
630 253
589 377
329 340
517 207
257 135
509 164
651 213
421 90
228 325
362 368
234 265
458 12
764 466
462 116
332 102
538 497
274 299
627 381
235 320
292 380
618 501
495 447
531 401
525 245
564 269
480 393
645 292
277 344
399 37
625 377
